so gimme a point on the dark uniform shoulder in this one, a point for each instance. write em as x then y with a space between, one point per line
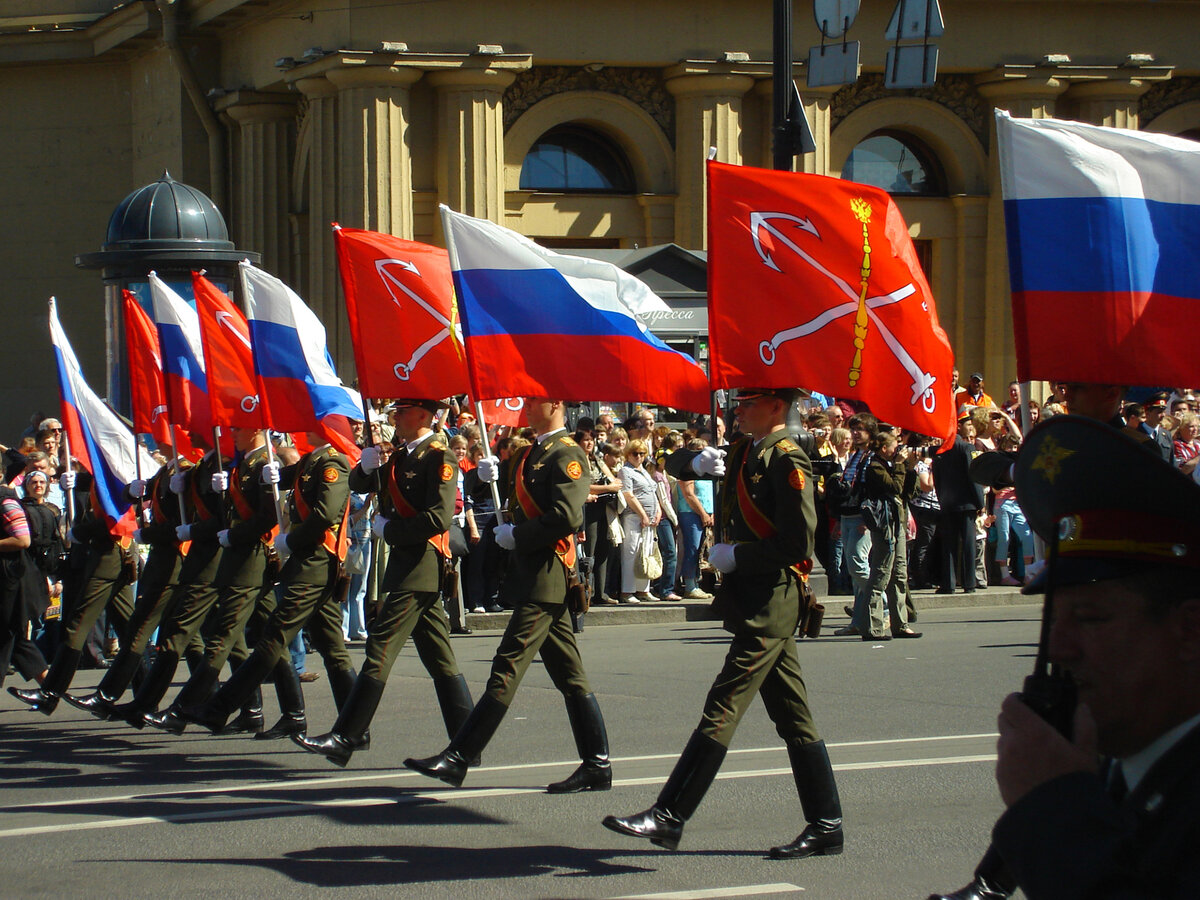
568 441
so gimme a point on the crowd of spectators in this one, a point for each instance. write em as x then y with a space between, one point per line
645 533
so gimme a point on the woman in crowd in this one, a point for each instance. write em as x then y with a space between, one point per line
925 511
694 504
638 521
483 562
599 516
664 587
839 575
619 438
1187 448
891 481
1007 517
16 645
612 460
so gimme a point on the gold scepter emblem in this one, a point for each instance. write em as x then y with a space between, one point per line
862 211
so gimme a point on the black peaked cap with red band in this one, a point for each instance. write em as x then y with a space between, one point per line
1117 509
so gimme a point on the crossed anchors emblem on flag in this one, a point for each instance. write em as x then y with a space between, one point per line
403 370
858 302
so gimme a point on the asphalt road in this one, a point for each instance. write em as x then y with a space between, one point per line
93 809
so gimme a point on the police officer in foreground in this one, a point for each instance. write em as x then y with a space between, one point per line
768 519
1111 810
547 485
416 489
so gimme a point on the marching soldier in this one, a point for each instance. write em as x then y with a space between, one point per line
155 586
243 582
548 483
768 518
198 590
106 583
416 505
312 549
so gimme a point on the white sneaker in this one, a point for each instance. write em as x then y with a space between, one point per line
478 609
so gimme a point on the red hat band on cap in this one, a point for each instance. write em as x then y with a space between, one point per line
1129 534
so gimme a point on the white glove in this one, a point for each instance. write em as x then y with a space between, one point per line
147 515
183 533
504 536
488 468
281 546
137 537
722 557
270 473
71 539
709 461
370 460
220 482
377 526
66 480
223 538
137 489
178 482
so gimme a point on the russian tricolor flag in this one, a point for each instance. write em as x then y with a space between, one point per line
541 324
182 358
1103 228
98 437
298 386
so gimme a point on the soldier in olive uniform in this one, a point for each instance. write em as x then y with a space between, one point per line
416 491
241 581
107 583
547 487
768 518
155 585
197 592
312 547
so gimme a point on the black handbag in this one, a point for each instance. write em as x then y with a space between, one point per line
877 514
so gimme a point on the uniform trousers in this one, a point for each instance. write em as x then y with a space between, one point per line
107 584
242 587
535 627
756 664
415 614
155 588
192 599
312 605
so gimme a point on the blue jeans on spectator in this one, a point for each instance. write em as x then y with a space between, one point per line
856 544
296 649
839 580
354 623
691 533
1009 516
666 546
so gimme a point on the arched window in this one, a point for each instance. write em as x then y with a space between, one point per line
897 163
569 158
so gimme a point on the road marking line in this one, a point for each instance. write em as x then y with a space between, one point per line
405 774
444 795
746 890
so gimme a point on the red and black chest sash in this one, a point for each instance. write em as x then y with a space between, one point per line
564 549
335 540
405 510
759 523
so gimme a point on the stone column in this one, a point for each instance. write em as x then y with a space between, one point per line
470 140
816 108
266 131
1110 101
374 165
708 110
986 338
321 183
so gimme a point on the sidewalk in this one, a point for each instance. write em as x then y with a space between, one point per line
698 610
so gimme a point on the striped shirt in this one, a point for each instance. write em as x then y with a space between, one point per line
13 516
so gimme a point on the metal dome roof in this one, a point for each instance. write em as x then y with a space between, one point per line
167 214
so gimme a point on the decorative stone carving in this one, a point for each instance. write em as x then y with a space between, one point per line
1165 95
641 86
955 92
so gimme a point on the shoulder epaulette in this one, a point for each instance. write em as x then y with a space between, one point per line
436 445
787 446
568 440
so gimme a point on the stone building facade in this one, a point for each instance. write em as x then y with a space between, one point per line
292 114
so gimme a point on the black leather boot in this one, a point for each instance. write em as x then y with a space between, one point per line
195 659
341 682
822 836
355 716
454 698
196 690
250 719
591 740
452 763
291 703
992 881
233 694
153 689
44 699
662 824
